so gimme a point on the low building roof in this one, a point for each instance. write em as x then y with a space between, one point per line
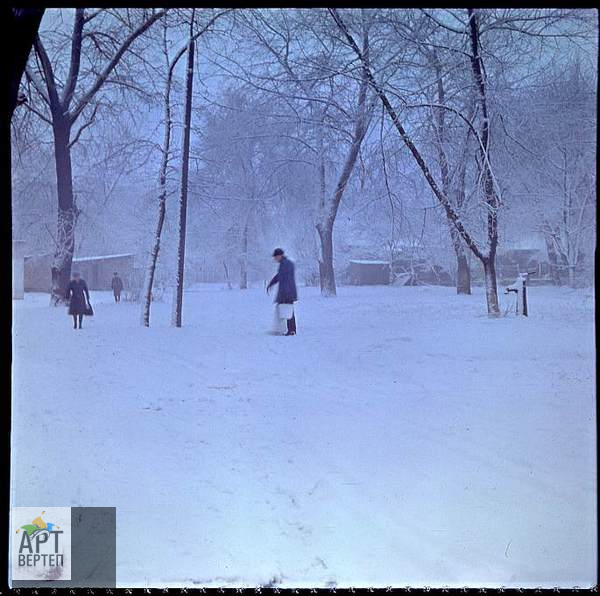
368 262
103 257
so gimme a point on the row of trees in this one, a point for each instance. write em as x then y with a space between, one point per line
299 116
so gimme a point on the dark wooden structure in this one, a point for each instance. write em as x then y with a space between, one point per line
368 273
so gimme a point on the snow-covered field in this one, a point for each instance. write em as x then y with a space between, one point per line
402 438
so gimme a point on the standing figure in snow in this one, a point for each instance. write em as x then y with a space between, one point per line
77 293
286 293
117 286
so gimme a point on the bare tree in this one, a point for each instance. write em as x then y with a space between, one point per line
65 103
304 52
487 257
170 64
563 161
453 176
329 205
185 165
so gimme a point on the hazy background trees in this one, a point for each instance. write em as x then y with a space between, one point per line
290 146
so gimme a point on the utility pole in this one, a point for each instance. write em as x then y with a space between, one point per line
178 298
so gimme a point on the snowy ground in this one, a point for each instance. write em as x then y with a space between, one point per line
402 438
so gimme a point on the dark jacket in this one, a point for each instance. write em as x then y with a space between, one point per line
117 283
286 293
75 294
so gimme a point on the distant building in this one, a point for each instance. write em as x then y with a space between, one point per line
97 271
410 271
18 269
512 262
362 272
38 277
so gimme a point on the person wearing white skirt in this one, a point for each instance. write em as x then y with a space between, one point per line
287 293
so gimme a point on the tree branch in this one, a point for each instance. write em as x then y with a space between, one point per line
87 97
55 104
86 125
75 63
440 196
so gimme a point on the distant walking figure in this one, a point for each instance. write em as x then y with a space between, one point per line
117 286
286 293
77 292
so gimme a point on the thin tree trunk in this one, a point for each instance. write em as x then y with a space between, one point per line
227 276
162 199
463 269
490 196
552 260
178 298
244 260
151 268
67 211
463 273
162 208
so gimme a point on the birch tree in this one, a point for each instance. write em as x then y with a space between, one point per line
183 191
166 155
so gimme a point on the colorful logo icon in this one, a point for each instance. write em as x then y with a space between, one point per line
37 526
41 550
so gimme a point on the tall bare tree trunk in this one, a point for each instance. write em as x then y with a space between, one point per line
67 211
153 258
328 208
162 206
185 157
463 273
489 191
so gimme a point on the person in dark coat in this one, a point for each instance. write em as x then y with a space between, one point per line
117 286
76 294
286 292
